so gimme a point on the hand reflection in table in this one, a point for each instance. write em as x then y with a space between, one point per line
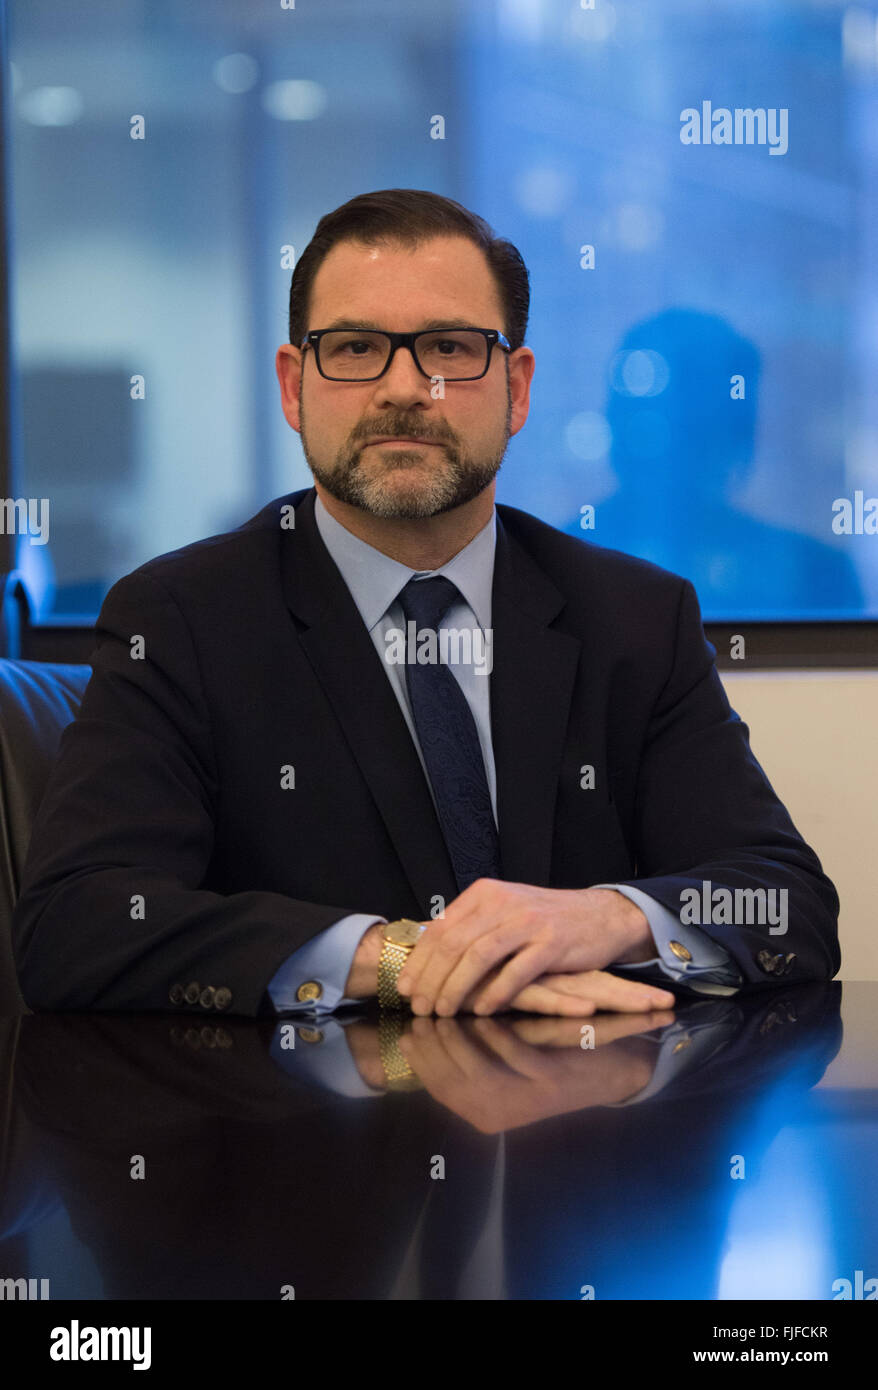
502 1072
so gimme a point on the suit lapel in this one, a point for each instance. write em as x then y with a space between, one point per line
534 669
531 690
349 669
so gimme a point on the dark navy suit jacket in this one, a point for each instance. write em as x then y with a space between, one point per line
168 850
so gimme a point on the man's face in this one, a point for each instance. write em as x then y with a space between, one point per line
453 446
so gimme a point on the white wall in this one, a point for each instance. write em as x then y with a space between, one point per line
814 732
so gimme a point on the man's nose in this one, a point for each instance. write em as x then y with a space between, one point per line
402 380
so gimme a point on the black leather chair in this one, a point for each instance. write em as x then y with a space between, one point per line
37 699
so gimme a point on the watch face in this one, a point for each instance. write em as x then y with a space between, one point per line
404 933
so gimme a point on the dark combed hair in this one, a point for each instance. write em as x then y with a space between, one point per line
409 216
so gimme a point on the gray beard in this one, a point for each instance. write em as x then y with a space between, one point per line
458 483
460 479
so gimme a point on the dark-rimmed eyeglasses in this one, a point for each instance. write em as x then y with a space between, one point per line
354 354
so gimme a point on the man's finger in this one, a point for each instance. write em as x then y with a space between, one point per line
613 991
495 968
524 968
462 960
468 910
540 998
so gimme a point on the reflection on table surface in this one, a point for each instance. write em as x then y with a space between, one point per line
676 1155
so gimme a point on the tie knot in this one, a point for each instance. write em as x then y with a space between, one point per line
426 601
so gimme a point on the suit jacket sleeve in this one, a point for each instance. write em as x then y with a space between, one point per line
705 813
111 914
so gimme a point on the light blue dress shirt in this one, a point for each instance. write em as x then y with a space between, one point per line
375 580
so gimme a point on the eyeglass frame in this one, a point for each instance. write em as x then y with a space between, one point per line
493 338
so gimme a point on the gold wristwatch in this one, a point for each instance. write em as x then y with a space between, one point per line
398 1075
399 940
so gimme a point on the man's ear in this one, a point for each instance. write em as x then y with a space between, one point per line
288 365
521 370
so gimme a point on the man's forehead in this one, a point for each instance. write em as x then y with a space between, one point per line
449 268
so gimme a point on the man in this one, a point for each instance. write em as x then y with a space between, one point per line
271 769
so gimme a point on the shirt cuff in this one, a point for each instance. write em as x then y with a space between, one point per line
324 961
683 1046
708 963
321 1057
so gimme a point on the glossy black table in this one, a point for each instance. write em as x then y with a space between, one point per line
726 1151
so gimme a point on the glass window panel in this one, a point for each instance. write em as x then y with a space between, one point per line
703 314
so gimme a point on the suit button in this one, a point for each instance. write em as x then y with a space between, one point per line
207 996
309 990
222 998
680 950
175 994
191 992
769 963
208 1037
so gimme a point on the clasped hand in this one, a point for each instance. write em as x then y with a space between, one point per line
507 945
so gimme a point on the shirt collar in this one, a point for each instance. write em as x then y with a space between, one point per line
375 579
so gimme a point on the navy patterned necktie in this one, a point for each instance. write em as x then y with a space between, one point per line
449 741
